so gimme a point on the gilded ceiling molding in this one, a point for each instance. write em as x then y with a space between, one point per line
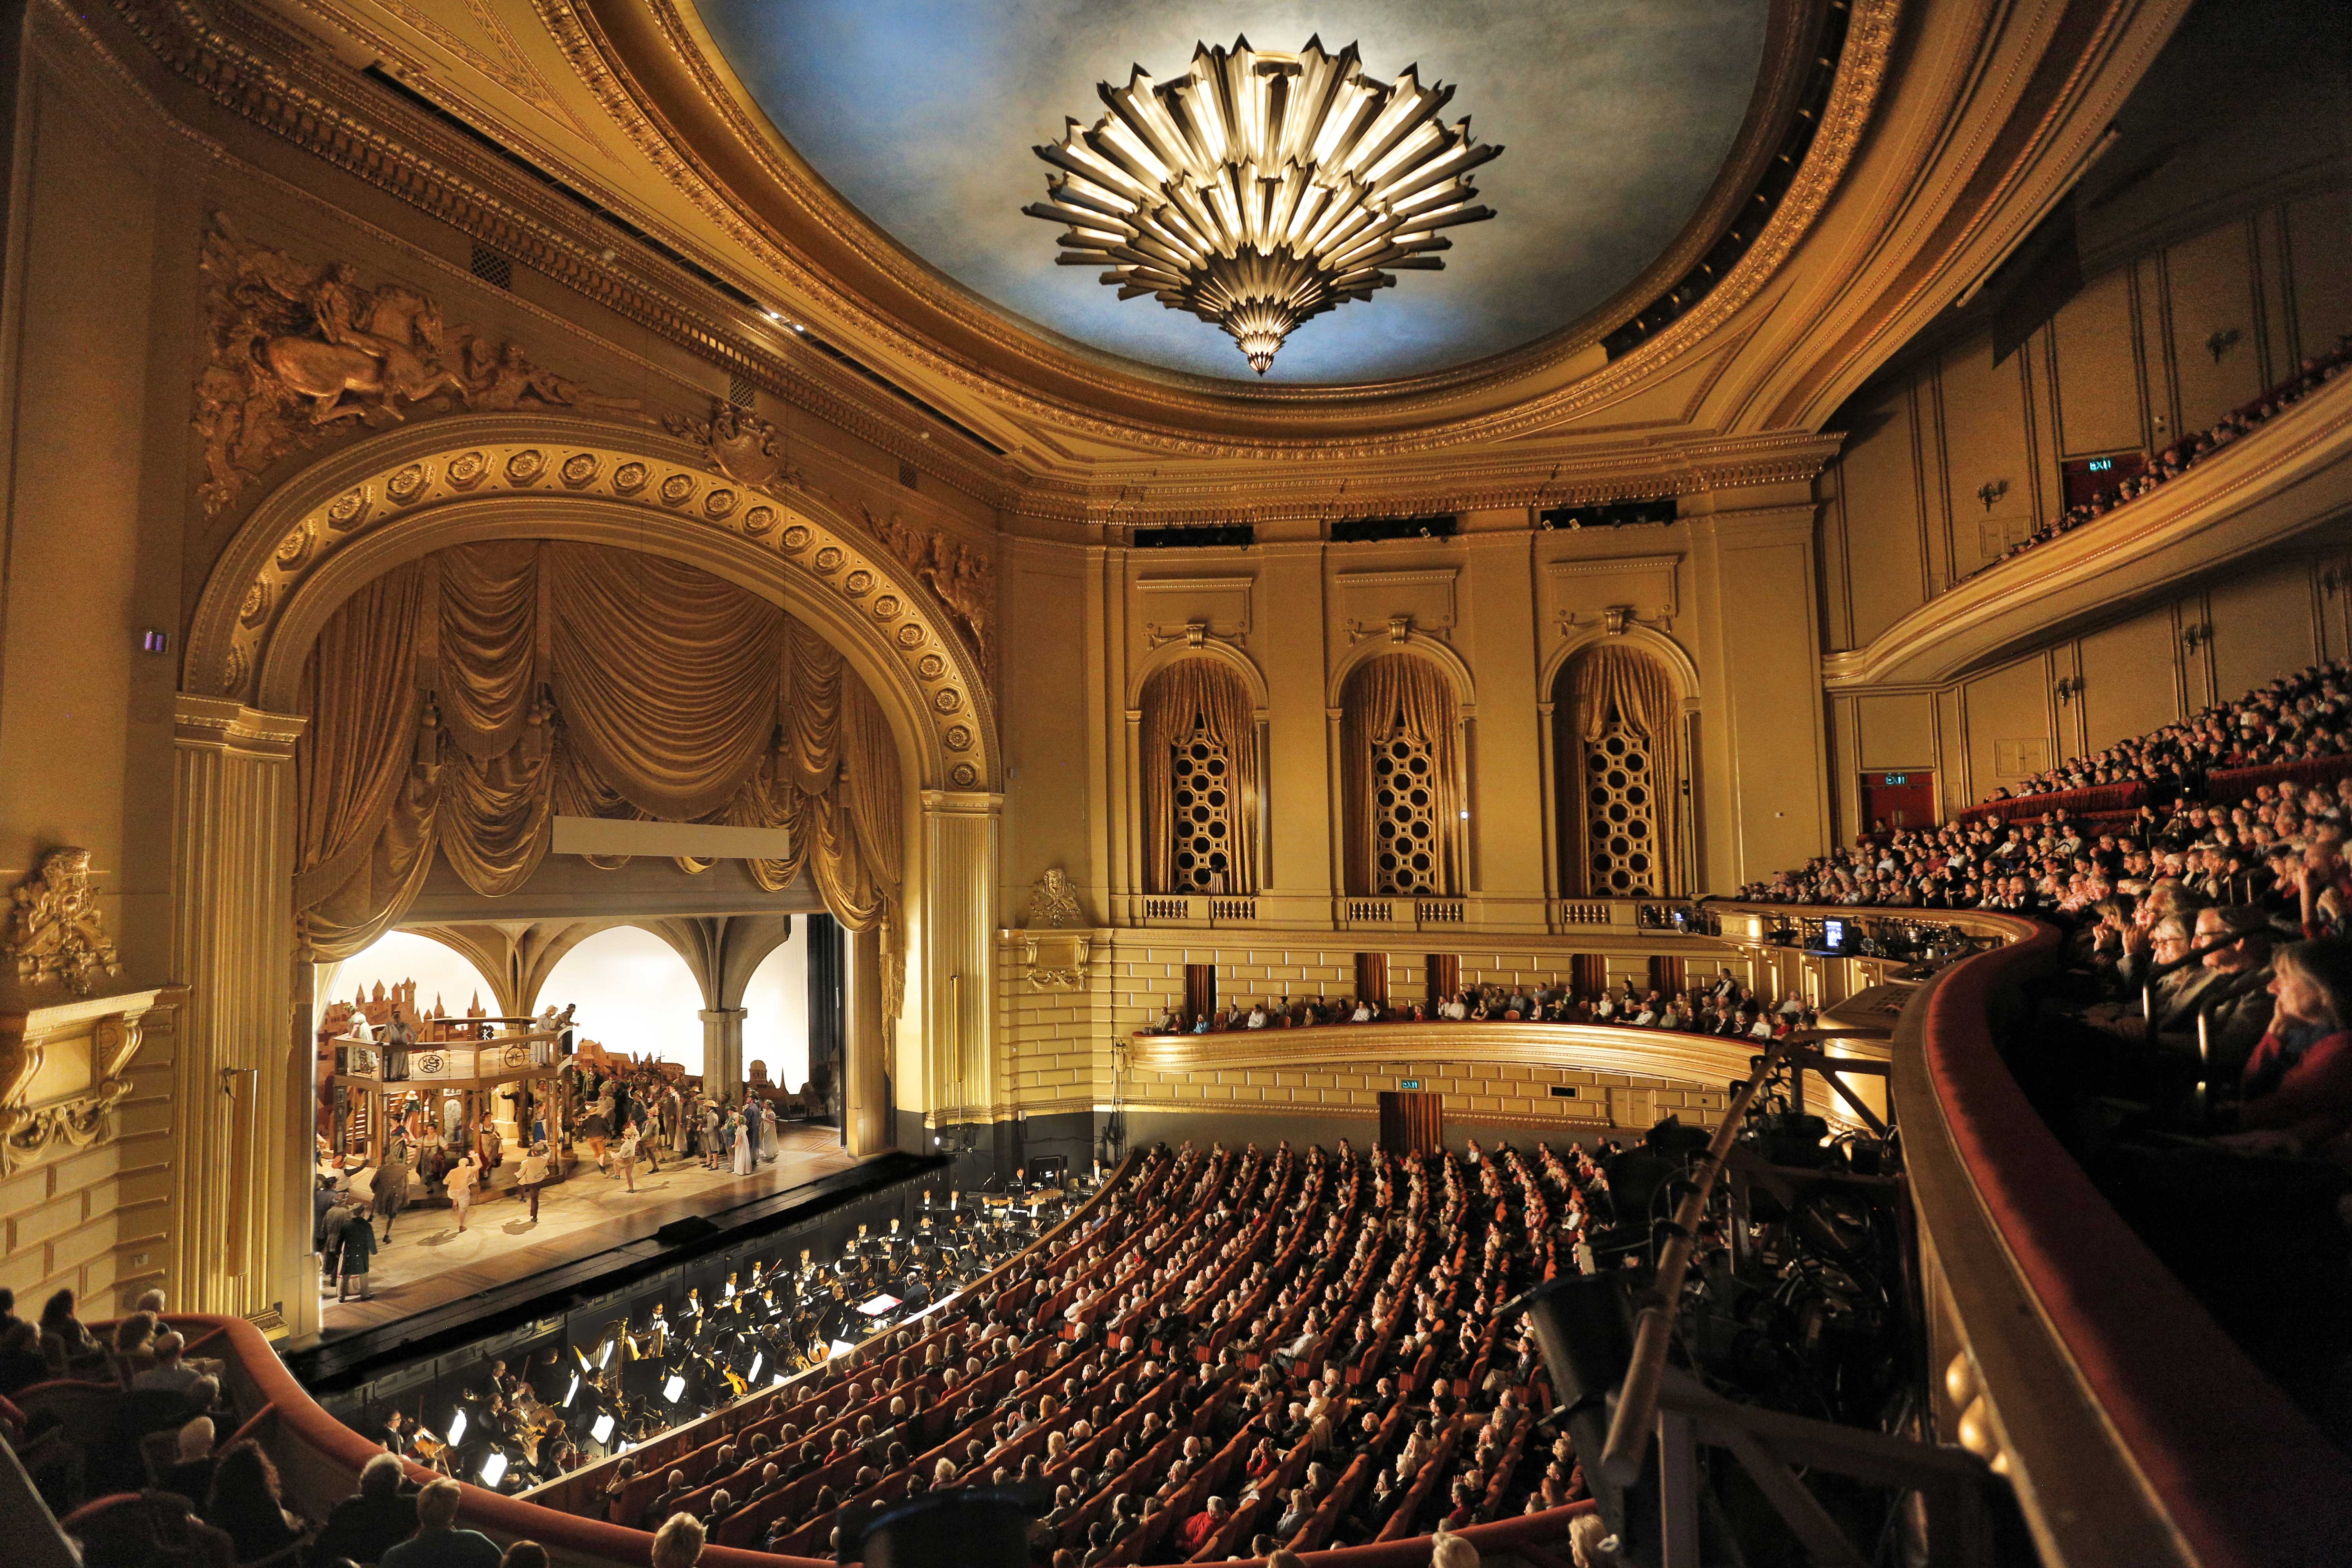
392 146
594 52
1431 484
369 503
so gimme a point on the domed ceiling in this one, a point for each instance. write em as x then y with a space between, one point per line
1615 120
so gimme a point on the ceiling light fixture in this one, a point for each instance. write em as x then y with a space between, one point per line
1260 189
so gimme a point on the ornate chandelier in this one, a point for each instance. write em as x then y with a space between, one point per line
1260 189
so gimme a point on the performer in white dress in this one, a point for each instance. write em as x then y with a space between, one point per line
743 1146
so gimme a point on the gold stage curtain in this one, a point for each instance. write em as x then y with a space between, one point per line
462 702
1400 693
1613 676
665 676
357 826
1197 691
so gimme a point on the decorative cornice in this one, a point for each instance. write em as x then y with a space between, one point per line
392 146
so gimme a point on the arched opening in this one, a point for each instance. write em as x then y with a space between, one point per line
904 679
776 1022
1199 780
633 995
1401 769
460 703
1619 775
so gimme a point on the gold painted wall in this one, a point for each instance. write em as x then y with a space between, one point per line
2141 357
2243 630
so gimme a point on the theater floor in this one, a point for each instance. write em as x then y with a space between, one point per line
429 1263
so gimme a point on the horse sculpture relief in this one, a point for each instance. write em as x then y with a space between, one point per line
300 350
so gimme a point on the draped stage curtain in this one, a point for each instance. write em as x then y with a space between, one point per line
1400 693
1191 693
1613 676
462 702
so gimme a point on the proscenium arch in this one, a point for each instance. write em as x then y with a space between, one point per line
395 498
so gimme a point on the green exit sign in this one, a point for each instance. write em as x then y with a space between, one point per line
1408 1083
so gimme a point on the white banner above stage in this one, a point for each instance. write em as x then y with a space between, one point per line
699 840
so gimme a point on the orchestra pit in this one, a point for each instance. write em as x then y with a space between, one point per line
1055 785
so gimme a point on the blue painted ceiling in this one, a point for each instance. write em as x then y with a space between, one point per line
921 113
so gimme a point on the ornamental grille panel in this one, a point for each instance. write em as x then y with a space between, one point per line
1619 813
1404 815
1201 788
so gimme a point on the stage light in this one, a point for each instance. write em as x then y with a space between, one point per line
673 1388
758 1362
602 1428
493 1469
456 1427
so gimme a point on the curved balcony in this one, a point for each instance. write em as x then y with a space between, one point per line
2135 1431
2290 477
1703 1062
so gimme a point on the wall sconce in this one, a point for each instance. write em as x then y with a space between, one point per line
2223 339
2196 636
1992 490
2069 688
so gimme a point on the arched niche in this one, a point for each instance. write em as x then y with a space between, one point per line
1418 644
1225 654
1619 806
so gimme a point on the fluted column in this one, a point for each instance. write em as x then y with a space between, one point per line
722 1050
958 949
241 1172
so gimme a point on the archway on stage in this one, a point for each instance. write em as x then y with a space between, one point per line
632 995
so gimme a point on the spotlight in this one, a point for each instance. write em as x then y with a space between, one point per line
456 1427
602 1430
1584 1326
493 1469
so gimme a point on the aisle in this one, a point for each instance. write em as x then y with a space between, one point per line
429 1262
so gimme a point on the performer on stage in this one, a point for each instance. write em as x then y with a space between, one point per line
460 1186
743 1146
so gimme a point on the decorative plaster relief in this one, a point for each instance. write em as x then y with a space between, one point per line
1614 591
1191 609
1373 604
298 349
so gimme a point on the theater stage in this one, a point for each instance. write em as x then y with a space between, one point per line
429 1264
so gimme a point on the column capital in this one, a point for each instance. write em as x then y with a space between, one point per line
225 724
961 803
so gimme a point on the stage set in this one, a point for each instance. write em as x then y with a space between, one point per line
463 1154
